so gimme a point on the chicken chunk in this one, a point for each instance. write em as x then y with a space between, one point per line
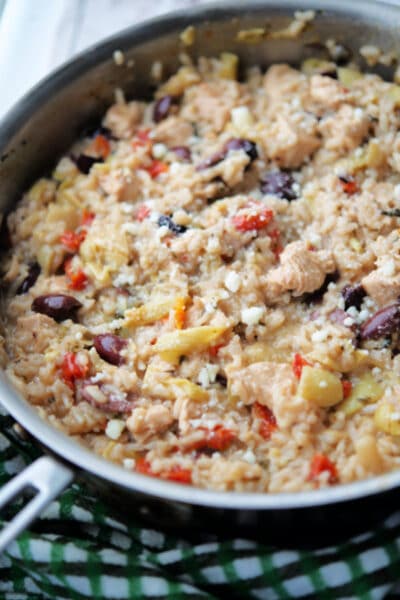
34 333
124 119
290 140
326 91
271 384
382 285
301 270
211 103
145 422
173 131
280 82
344 130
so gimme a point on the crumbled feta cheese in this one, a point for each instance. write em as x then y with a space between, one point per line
131 228
129 463
203 378
97 377
124 279
159 150
396 192
348 322
388 268
213 244
114 428
162 232
376 371
364 315
313 238
223 295
212 371
118 57
232 281
319 336
340 303
358 113
127 208
249 456
241 117
210 306
352 312
252 315
369 303
174 168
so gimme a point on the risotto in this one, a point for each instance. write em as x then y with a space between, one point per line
206 290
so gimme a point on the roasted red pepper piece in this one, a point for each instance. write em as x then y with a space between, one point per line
176 473
156 168
349 185
321 463
219 439
213 350
347 387
297 365
71 369
101 146
267 420
142 212
253 220
73 239
141 138
87 218
77 279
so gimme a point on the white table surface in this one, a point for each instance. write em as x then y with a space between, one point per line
36 36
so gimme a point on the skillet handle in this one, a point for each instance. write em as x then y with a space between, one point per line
49 478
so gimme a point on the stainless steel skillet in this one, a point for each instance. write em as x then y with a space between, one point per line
41 126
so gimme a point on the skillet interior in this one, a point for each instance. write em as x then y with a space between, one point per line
48 119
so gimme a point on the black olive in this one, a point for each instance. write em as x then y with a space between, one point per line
353 295
165 221
109 347
30 279
85 162
280 184
57 306
383 323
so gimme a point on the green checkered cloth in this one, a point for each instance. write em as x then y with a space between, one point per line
77 550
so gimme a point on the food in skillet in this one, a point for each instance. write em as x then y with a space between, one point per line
207 288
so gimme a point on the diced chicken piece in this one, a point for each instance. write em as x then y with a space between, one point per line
231 170
173 131
124 187
124 119
271 384
326 91
281 82
145 422
382 286
290 140
211 103
301 270
344 130
34 333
